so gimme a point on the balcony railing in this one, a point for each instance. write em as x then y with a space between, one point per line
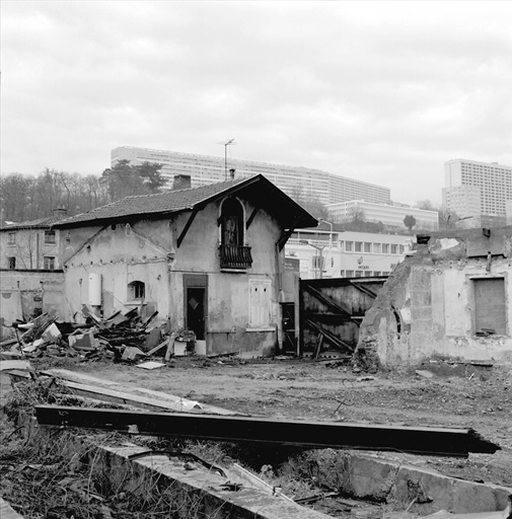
235 257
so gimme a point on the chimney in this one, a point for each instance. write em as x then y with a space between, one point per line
181 182
60 212
232 173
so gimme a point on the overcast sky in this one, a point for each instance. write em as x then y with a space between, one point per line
384 92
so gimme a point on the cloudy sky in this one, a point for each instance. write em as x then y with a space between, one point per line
384 92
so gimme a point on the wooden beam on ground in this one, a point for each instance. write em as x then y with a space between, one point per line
305 434
126 394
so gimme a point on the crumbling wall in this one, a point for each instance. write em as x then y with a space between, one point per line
428 307
24 294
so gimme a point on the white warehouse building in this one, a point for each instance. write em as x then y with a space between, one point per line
390 215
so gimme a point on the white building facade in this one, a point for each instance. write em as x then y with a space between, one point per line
325 254
391 215
475 188
297 182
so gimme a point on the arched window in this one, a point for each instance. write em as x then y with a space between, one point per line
232 223
136 290
233 253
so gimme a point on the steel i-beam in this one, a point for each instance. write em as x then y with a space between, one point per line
313 435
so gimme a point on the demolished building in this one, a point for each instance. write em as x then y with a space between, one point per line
451 297
207 259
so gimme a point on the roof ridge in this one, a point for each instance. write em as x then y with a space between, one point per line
168 191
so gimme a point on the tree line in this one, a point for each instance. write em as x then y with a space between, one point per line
24 197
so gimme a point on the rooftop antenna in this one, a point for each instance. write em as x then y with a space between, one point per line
230 142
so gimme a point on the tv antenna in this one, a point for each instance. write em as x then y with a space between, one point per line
230 142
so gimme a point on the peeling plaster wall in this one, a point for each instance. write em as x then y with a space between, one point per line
29 248
148 251
427 306
22 292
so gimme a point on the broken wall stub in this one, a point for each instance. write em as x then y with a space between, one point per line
444 301
333 308
24 294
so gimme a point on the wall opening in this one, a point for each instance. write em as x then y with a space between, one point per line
232 226
136 290
490 312
49 263
49 237
196 303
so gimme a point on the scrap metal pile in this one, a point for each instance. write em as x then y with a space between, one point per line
121 337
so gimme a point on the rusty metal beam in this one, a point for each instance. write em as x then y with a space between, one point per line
316 435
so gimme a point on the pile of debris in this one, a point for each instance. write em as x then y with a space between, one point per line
121 337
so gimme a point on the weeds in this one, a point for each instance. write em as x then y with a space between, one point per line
59 474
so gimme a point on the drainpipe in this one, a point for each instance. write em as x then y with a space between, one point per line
280 299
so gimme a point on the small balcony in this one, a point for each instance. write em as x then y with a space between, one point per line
235 257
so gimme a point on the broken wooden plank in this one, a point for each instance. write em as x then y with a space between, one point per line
88 385
7 365
329 336
306 434
318 348
159 347
258 483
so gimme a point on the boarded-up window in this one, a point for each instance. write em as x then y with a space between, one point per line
490 308
259 303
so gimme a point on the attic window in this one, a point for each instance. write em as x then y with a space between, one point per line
233 253
49 237
136 290
232 223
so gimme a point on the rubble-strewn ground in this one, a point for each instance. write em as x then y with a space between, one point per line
455 395
458 395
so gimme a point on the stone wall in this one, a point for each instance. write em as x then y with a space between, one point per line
430 304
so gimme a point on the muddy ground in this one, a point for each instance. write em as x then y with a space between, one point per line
455 395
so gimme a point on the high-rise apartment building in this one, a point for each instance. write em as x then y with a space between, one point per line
297 182
475 188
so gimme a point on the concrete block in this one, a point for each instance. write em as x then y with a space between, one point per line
370 477
7 512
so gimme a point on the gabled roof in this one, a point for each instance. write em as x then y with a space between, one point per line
257 188
40 223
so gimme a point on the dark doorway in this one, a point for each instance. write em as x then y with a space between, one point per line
288 316
195 304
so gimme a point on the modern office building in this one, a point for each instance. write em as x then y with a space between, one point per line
388 214
475 188
297 182
325 254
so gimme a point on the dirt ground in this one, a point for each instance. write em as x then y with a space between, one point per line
456 395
